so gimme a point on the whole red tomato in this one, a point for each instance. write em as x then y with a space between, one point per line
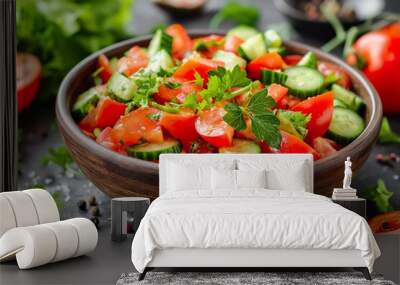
380 50
29 72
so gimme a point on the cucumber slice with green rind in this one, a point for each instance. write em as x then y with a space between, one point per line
243 32
268 77
160 60
121 88
160 41
339 104
350 99
303 81
241 146
87 100
346 126
308 60
272 39
152 151
253 47
229 59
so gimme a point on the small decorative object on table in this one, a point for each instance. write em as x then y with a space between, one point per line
126 214
347 192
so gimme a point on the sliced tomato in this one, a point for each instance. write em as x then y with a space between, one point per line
181 42
104 63
181 125
108 112
321 109
212 44
200 65
288 102
292 144
107 139
292 59
28 73
213 129
166 94
265 148
325 147
270 60
327 68
88 123
199 146
277 92
232 44
135 59
139 125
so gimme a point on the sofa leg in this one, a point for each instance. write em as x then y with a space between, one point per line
142 275
365 272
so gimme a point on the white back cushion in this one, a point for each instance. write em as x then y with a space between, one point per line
251 179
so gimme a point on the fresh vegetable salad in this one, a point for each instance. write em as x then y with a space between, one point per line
238 93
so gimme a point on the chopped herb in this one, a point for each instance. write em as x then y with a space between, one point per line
237 14
191 101
379 195
58 156
158 26
166 73
172 84
154 116
205 45
147 85
264 123
294 122
198 80
386 135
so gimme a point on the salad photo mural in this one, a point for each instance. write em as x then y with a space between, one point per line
104 89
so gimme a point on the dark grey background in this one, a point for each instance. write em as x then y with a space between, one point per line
39 133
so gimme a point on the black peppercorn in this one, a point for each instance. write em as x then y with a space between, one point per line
82 205
92 201
95 221
95 211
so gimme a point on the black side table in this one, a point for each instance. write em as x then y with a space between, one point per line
358 205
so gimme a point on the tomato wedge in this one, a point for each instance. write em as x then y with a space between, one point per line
277 92
107 139
104 63
212 44
213 129
270 60
139 125
325 147
108 112
181 42
180 126
200 65
321 109
327 68
135 59
166 94
28 73
292 144
292 59
232 44
288 102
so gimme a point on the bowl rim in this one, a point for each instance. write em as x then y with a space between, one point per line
65 120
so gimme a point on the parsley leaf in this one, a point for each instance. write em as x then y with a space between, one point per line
147 85
380 195
386 135
191 101
234 116
264 124
198 80
59 156
236 13
172 84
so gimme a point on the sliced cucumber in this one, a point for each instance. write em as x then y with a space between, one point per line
308 60
272 39
160 60
121 88
160 41
350 99
346 125
339 104
279 50
304 82
268 77
243 32
152 151
253 47
87 100
241 146
230 59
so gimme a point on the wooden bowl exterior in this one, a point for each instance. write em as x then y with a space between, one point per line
118 175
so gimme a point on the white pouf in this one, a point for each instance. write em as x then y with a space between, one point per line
45 205
23 208
7 218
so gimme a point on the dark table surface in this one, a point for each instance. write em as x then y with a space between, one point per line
39 133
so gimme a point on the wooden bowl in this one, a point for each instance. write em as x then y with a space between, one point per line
119 175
